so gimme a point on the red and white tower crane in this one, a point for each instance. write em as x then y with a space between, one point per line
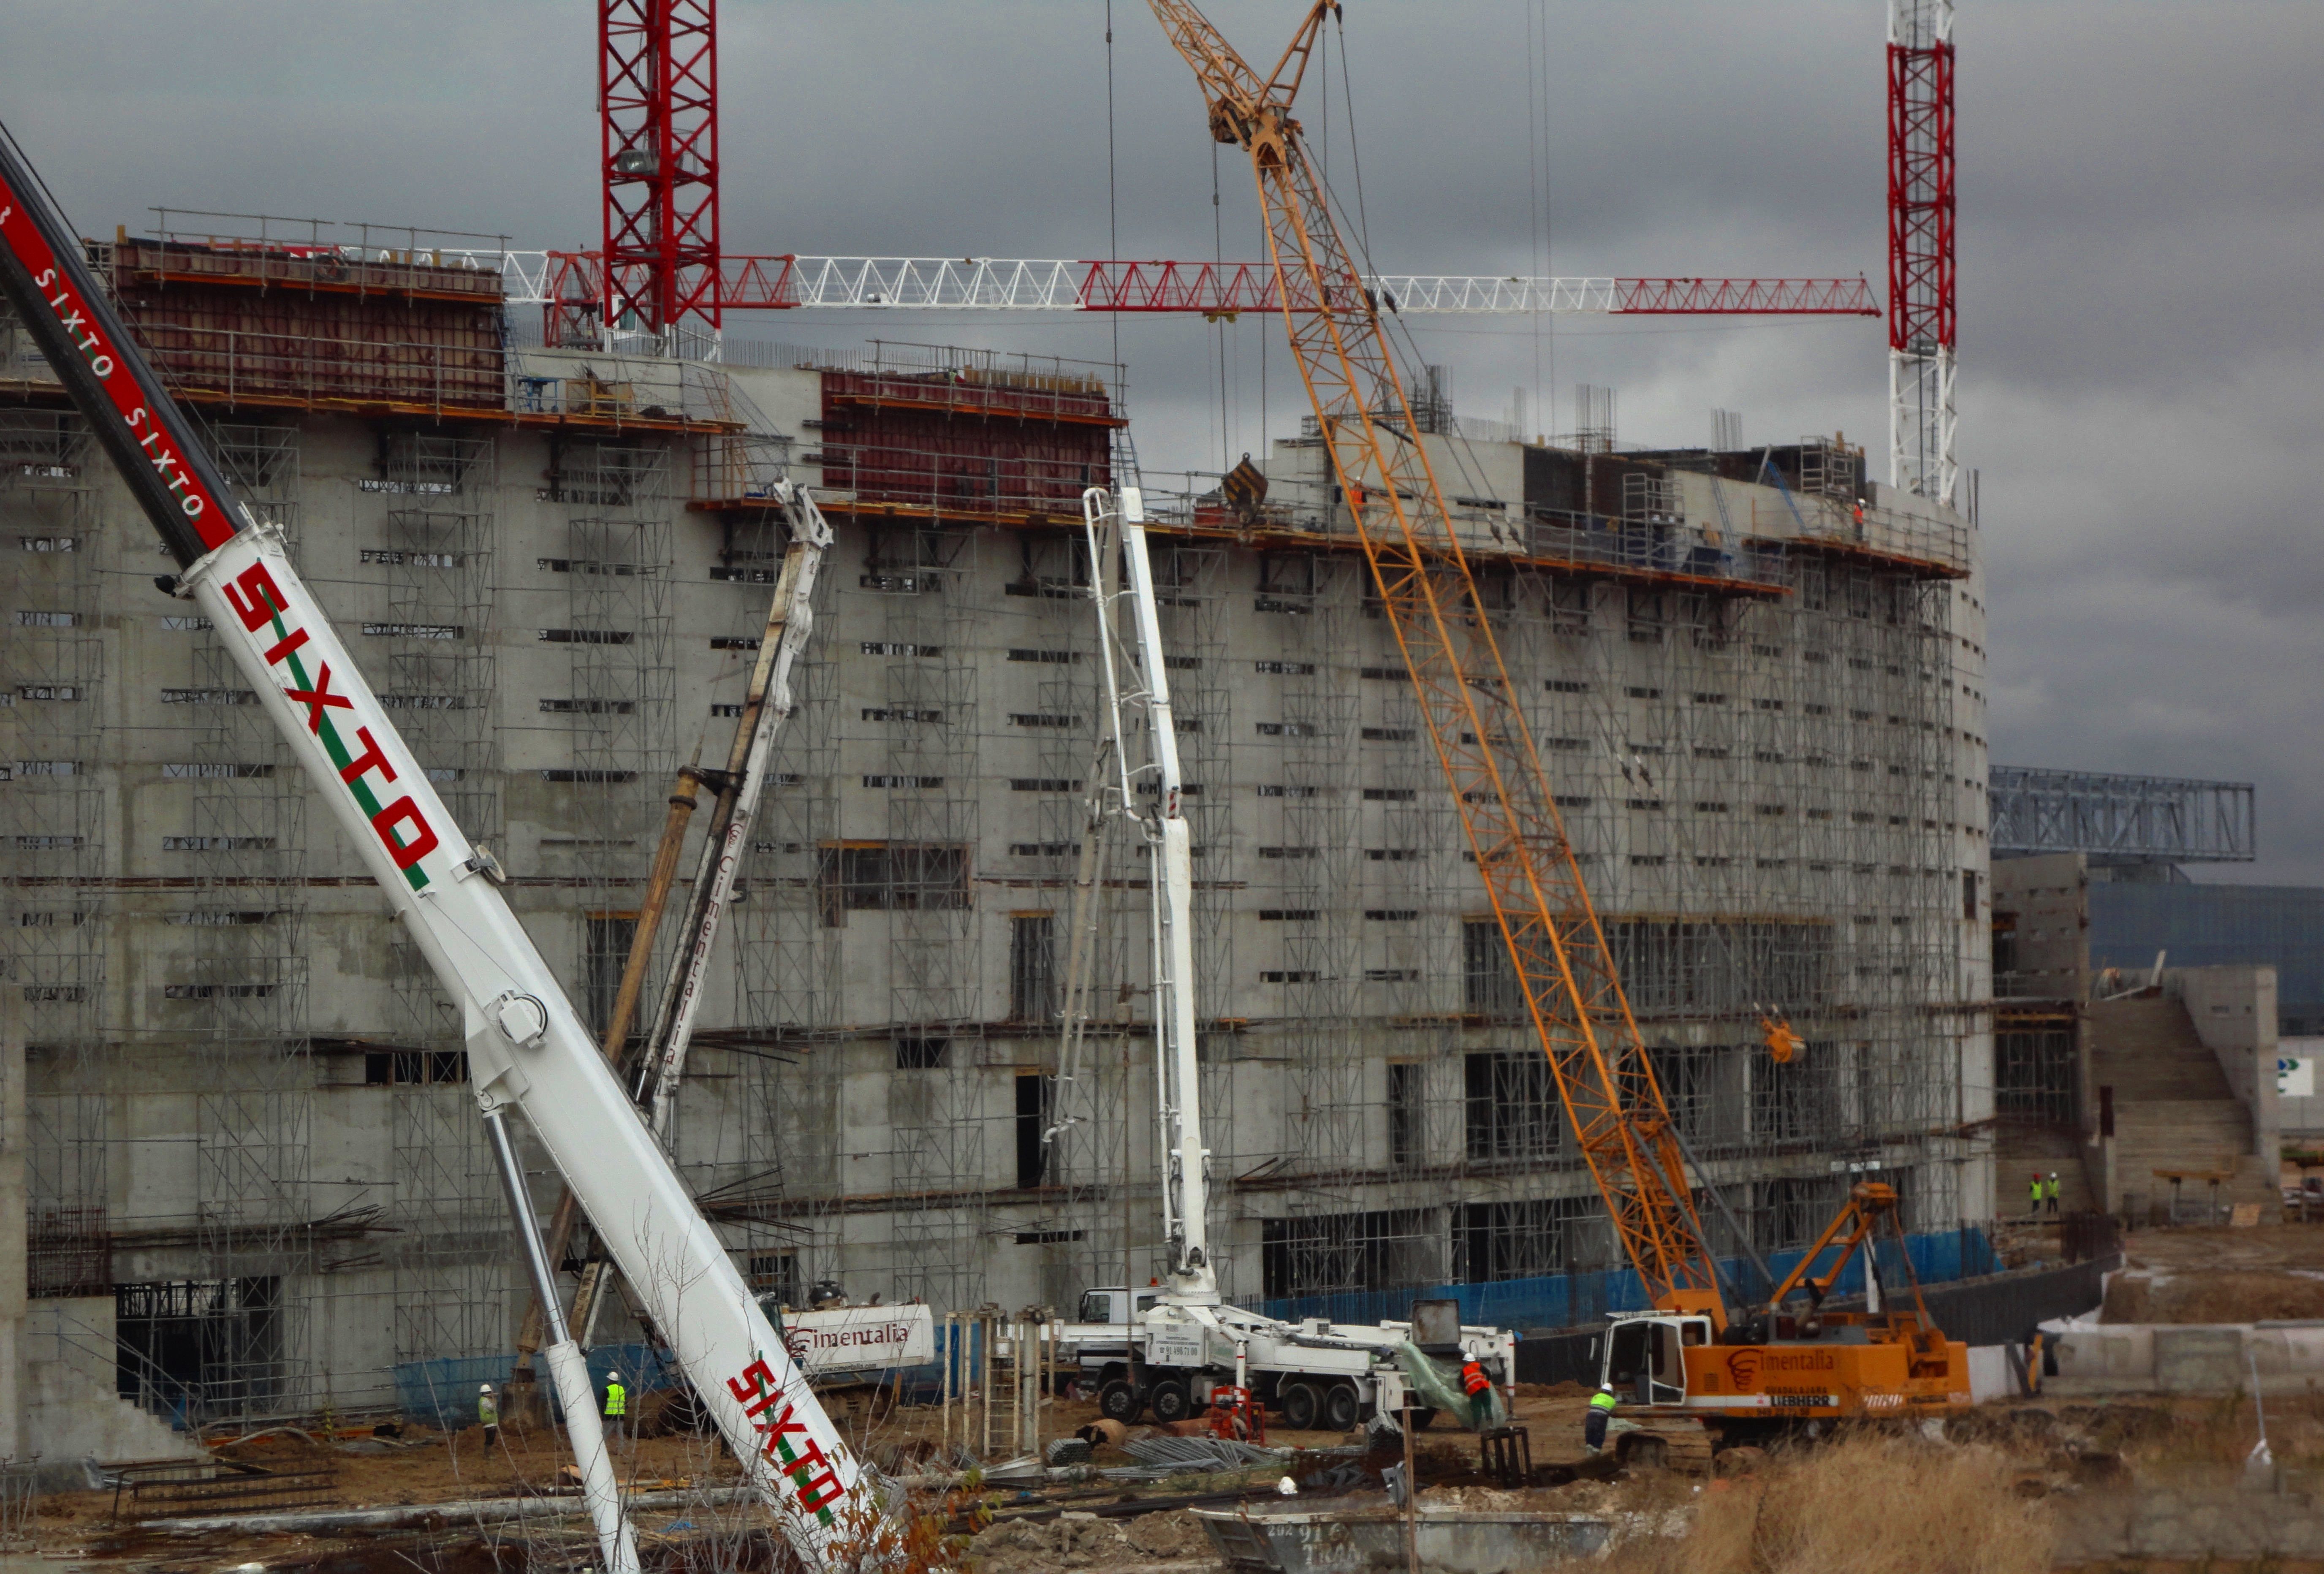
661 271
1920 316
658 103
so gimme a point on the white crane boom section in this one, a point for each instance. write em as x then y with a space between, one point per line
526 1045
1171 894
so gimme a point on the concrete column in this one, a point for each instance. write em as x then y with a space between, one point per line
2234 1012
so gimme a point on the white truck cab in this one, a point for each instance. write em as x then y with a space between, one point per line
1111 1304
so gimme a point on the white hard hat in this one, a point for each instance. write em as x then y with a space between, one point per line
1605 1387
483 1387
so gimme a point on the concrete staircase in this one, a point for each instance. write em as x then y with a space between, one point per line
2020 1149
2172 1106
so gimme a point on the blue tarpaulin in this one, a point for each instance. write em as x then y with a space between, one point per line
1578 1300
443 1394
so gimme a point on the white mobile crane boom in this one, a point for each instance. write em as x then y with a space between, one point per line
527 1046
1184 1339
1185 1189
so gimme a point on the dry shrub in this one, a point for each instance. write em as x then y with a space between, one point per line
1861 1505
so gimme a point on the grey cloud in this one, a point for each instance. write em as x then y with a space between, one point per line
2142 210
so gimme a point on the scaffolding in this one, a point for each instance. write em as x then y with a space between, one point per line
245 1005
1759 788
1744 692
1740 676
55 843
436 556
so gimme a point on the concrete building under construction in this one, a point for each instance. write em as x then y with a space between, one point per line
254 1179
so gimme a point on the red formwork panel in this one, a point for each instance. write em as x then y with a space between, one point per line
280 327
968 441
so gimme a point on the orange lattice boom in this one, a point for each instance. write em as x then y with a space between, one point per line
1559 955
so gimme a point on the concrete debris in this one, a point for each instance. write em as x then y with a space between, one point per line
1083 1541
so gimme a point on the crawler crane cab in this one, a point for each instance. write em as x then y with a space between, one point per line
1780 1364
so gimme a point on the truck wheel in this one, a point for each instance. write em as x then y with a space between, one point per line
1118 1400
1300 1404
1168 1401
1342 1407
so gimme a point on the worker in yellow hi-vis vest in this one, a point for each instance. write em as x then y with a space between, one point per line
1602 1405
617 1409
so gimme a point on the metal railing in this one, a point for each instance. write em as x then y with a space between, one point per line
1553 537
1841 523
269 249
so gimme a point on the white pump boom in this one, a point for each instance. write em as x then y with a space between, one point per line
527 1046
1185 1190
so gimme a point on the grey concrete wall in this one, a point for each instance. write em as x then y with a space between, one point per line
2049 893
13 1263
1813 815
2234 1012
71 1409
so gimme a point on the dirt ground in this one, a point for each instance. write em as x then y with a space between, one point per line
2271 1272
2037 1479
2060 1477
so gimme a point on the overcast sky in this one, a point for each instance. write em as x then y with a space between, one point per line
2141 224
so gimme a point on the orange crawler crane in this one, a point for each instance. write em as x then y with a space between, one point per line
1689 1361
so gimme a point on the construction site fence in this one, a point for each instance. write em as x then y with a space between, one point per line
1997 1309
442 1394
20 1498
1580 1299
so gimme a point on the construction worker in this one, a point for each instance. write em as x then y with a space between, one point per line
488 1414
1477 1387
2035 1208
2050 1193
617 1407
1601 1411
